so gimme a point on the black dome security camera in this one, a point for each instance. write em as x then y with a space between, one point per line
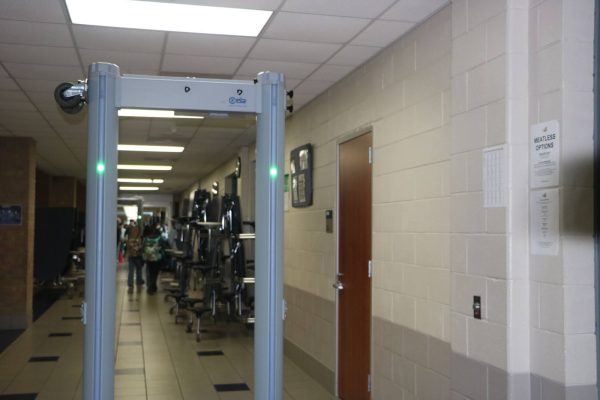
70 97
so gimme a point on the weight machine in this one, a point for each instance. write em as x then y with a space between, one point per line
106 91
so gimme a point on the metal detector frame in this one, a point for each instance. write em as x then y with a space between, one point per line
107 91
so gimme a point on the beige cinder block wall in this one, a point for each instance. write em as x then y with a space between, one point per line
476 75
563 343
403 95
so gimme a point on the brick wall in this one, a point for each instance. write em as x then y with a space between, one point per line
17 180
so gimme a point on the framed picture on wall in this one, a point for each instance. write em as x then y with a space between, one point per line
301 165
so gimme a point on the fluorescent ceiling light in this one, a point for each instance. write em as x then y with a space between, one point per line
145 167
139 180
138 188
170 17
142 113
159 149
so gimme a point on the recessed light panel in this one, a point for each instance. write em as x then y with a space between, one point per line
138 188
158 149
169 17
143 113
139 180
145 167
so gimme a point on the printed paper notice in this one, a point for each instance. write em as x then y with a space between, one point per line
544 234
494 177
544 154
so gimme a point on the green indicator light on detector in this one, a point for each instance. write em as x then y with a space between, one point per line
100 168
273 172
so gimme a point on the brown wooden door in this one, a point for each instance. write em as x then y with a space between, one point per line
354 255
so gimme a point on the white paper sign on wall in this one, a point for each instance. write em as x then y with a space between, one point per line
544 214
544 155
494 177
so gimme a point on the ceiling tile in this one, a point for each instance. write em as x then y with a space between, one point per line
285 50
294 70
311 87
129 62
25 54
16 105
40 85
132 137
31 116
198 65
382 33
331 73
250 4
33 10
35 33
118 39
354 55
8 84
208 45
217 134
180 134
8 95
134 125
305 34
343 8
23 127
314 28
244 140
48 72
413 10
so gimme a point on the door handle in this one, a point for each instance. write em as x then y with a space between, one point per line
338 285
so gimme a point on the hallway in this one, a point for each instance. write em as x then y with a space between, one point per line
156 359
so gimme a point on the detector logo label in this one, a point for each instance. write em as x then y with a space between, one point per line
238 100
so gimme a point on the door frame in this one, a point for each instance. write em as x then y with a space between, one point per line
339 141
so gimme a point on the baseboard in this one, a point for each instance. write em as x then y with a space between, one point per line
313 368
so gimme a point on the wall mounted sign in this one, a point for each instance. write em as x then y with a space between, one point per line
544 214
544 155
301 175
494 177
11 214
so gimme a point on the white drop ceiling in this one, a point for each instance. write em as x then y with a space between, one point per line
313 42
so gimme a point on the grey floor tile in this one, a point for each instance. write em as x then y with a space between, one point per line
156 358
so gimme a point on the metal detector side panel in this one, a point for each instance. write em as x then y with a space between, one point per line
172 93
101 234
270 309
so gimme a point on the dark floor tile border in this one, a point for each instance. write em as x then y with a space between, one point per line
129 371
8 336
20 396
130 343
44 359
131 323
231 387
60 334
210 353
71 318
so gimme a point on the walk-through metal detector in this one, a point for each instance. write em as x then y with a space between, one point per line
106 91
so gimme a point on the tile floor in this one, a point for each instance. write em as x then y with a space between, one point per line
156 359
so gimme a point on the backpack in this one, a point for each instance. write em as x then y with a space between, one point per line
152 249
134 247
